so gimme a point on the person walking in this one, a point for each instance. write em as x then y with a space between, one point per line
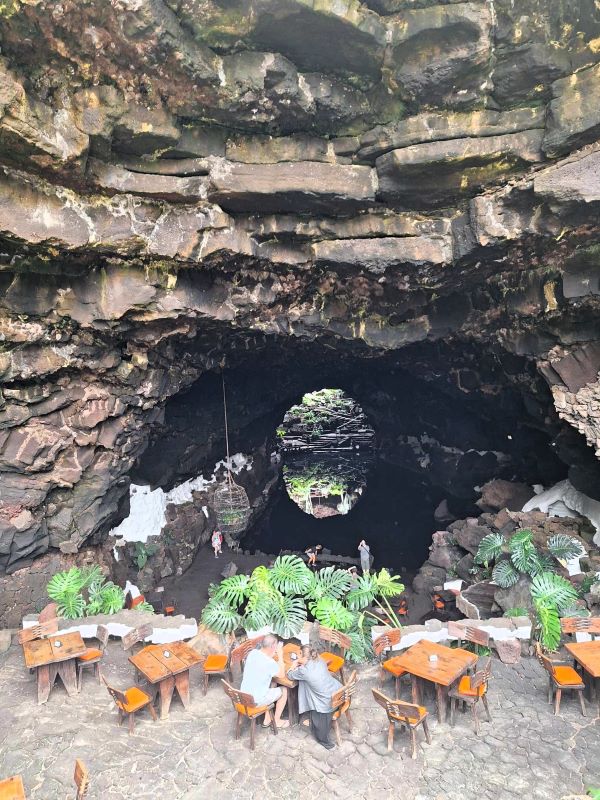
365 557
311 552
260 668
217 542
316 686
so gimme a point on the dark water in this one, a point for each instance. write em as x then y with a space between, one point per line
394 515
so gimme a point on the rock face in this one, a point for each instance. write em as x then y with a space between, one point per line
404 193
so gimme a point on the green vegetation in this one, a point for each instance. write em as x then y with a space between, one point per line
552 595
142 552
593 793
8 8
282 597
84 592
519 611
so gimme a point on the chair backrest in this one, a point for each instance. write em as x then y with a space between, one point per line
117 695
102 635
468 633
137 635
386 641
396 709
589 625
81 778
240 652
340 701
339 640
568 624
238 698
38 631
456 630
544 660
482 675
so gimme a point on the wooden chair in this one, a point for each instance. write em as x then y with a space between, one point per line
406 714
137 635
169 607
470 689
129 702
468 633
573 625
244 706
92 656
335 661
239 653
340 703
12 788
82 779
39 631
217 664
381 646
560 678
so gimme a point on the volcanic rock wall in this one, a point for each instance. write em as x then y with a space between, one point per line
189 185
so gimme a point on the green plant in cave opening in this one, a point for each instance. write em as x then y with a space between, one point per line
83 591
517 611
518 556
282 596
143 551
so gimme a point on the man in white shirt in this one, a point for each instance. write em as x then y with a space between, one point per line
259 670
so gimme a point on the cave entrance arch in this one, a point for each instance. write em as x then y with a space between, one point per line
327 447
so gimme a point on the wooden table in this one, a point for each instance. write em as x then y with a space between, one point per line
588 655
292 686
12 788
169 672
56 655
451 664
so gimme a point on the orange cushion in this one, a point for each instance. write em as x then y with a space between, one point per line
334 663
421 711
253 711
90 654
215 663
566 676
391 667
135 698
464 687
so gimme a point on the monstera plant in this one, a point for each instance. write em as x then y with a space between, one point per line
552 595
283 596
85 592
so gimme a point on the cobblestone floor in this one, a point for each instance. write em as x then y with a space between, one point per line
525 752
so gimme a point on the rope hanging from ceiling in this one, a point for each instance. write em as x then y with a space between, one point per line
230 501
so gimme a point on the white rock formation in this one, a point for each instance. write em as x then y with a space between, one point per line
564 495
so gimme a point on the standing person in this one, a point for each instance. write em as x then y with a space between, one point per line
217 541
316 685
365 557
311 552
259 670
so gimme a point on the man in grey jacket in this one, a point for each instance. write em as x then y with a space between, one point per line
316 685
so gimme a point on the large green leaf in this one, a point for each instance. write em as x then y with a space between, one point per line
363 594
333 614
504 574
91 574
563 546
328 582
523 552
233 589
360 648
260 582
549 624
388 585
288 616
220 617
71 605
549 589
63 583
490 548
290 575
113 598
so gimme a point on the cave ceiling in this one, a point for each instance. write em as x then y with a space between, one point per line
287 190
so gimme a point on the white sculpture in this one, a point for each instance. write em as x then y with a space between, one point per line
564 495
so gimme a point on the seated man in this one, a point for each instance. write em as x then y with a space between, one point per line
259 669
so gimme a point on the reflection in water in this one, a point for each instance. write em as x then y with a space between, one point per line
328 449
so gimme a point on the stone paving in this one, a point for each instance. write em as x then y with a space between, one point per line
524 752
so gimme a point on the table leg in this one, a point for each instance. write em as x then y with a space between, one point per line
43 682
182 684
416 695
590 688
441 702
165 690
67 671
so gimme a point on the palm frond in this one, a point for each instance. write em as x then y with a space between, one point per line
290 575
328 582
233 589
71 605
490 548
388 585
549 589
504 574
91 574
68 582
563 546
219 617
331 613
288 616
549 625
523 552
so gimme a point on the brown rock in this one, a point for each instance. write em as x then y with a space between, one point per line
509 650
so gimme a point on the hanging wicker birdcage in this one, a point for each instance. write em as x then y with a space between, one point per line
232 507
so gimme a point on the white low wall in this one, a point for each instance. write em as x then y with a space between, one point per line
164 629
499 629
